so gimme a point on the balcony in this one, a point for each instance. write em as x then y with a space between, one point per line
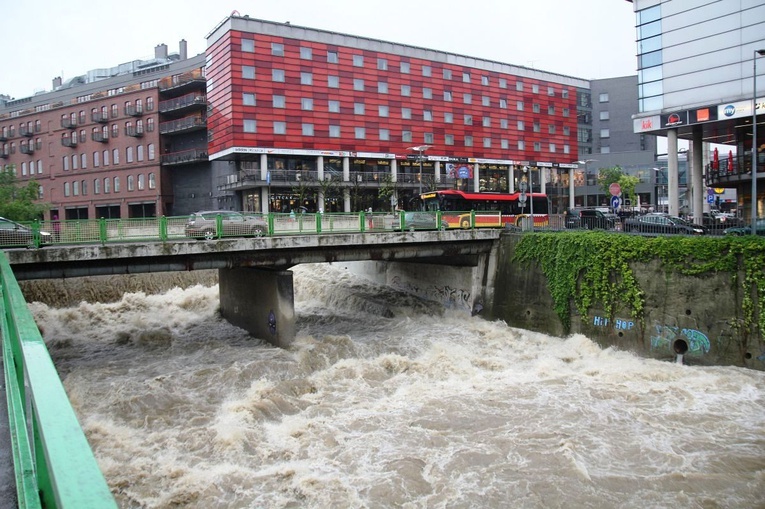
27 149
25 131
68 142
99 137
193 80
3 137
3 154
184 157
101 118
135 132
68 123
186 102
134 111
182 125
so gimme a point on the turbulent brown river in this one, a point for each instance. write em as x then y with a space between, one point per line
389 401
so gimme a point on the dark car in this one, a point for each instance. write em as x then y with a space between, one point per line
747 230
13 234
204 224
591 219
420 221
662 223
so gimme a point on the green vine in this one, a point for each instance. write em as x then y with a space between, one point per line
594 268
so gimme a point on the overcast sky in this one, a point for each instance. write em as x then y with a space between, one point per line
585 39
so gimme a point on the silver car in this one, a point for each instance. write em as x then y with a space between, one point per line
205 225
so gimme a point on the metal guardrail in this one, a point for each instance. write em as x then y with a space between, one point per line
53 464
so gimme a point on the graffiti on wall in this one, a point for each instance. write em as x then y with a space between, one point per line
666 335
451 298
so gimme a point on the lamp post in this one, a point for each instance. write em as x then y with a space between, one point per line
420 149
760 52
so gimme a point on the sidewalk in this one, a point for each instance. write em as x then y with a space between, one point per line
7 478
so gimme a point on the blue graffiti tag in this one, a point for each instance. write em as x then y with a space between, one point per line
698 342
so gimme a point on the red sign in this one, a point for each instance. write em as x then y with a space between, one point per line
615 189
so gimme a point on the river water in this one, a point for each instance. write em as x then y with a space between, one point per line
388 401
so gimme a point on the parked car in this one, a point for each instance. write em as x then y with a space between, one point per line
204 224
747 230
13 234
662 223
591 219
419 221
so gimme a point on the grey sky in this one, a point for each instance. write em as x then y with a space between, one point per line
586 39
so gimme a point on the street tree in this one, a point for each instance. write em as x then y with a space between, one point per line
628 183
18 201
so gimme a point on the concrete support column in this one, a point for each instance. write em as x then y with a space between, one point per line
571 189
476 177
263 166
320 167
511 178
696 178
673 179
346 178
544 174
346 200
437 171
259 301
265 202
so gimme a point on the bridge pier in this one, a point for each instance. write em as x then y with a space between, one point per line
259 301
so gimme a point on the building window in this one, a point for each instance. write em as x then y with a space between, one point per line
605 150
383 110
448 139
603 97
537 127
406 90
105 157
333 81
406 113
141 182
605 133
382 64
96 186
551 109
467 98
116 156
551 129
448 95
306 78
406 136
248 99
66 188
428 138
358 108
486 122
504 144
360 133
552 147
565 112
358 60
306 104
485 101
465 77
277 75
537 146
503 103
566 130
519 86
564 94
502 83
277 49
107 185
485 80
448 117
280 127
150 150
447 74
405 68
551 91
131 183
334 131
278 101
248 45
250 126
358 84
487 143
333 106
521 145
535 108
129 154
603 115
152 181
116 184
384 135
468 120
248 72
382 87
427 71
566 149
534 89
332 57
139 153
427 93
519 105
307 129
468 141
306 53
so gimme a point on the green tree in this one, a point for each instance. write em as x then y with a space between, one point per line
608 176
17 200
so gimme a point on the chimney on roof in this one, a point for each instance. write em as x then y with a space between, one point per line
56 82
160 51
183 53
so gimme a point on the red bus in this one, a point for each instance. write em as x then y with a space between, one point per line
491 210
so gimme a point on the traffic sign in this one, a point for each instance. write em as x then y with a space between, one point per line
615 189
616 202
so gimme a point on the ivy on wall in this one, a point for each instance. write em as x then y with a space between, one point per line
593 268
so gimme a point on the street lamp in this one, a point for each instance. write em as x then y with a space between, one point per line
420 149
760 52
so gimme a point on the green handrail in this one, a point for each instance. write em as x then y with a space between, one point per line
54 467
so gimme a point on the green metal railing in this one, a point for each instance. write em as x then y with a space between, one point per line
53 464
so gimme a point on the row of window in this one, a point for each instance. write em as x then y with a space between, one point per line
139 182
332 57
333 106
138 153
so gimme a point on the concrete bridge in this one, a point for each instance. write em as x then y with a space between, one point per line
256 286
